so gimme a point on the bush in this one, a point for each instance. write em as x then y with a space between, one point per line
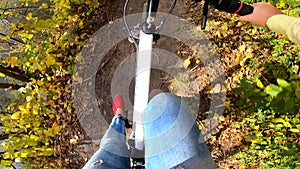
44 50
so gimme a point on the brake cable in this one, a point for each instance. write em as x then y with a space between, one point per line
127 27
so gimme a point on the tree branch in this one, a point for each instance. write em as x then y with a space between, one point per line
12 38
3 136
14 70
21 7
10 86
15 75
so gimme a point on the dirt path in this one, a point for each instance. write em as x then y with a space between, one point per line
115 56
125 49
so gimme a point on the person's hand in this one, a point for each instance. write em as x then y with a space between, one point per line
261 13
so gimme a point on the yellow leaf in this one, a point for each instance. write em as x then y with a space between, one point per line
13 61
242 48
15 116
73 141
200 127
247 37
219 33
24 112
242 63
24 155
2 75
26 35
35 112
234 38
81 24
89 2
228 85
48 151
22 108
29 47
186 63
255 127
50 60
294 130
224 27
259 84
28 105
281 5
287 124
34 137
5 38
255 31
40 82
27 64
51 116
254 141
65 4
227 104
249 55
44 5
242 166
213 138
29 16
55 125
222 118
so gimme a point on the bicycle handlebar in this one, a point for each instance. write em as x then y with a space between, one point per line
232 6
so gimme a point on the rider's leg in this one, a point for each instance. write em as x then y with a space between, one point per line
172 137
113 151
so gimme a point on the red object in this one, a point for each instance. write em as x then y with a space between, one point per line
240 8
118 103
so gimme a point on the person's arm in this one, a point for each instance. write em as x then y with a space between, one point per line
267 15
286 25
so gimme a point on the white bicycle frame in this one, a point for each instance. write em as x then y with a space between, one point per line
143 69
142 81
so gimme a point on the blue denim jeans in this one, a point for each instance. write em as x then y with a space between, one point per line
113 151
172 139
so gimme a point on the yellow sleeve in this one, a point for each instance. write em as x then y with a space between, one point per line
286 25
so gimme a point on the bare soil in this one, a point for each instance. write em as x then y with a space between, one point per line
125 49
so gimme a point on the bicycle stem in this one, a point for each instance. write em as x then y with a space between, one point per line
230 6
149 26
152 8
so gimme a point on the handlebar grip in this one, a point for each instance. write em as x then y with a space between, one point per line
232 6
246 10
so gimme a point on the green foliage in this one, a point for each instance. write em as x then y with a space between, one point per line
263 89
271 141
273 116
44 47
283 97
29 127
270 99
